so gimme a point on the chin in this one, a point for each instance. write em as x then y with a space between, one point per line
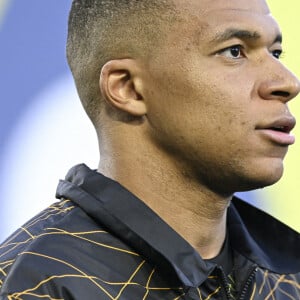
261 177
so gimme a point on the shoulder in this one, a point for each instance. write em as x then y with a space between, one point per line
26 252
63 250
35 229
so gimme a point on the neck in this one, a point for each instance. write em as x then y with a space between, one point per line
191 209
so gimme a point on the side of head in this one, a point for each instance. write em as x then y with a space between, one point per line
101 31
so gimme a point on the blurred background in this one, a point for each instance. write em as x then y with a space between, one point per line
44 131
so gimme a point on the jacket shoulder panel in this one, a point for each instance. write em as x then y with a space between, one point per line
269 285
24 238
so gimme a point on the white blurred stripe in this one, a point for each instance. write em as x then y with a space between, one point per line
3 7
52 135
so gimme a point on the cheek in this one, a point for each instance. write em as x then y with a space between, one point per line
199 108
207 126
222 112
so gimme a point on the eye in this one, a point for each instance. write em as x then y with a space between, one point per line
234 52
277 53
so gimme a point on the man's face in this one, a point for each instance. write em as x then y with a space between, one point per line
217 94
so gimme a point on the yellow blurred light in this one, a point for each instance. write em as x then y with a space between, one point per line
285 195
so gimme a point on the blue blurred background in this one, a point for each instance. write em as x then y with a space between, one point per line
43 129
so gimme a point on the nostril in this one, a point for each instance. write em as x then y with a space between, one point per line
281 94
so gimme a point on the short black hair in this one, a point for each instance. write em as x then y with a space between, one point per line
102 30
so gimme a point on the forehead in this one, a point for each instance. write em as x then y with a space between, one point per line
207 6
208 18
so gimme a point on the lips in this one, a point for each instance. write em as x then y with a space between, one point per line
285 124
278 131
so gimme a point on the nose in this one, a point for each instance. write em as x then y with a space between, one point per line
282 85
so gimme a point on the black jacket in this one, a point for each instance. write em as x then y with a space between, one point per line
101 242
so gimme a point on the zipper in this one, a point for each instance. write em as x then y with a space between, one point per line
248 283
225 284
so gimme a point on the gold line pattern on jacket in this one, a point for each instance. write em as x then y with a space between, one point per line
267 285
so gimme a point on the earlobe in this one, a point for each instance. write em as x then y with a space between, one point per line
121 86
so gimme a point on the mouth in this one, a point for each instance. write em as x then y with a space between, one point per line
284 129
279 131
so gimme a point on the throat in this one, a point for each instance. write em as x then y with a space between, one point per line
225 257
188 206
202 226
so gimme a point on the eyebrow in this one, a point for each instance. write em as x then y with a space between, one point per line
241 34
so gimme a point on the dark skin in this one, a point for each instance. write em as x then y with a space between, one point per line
210 112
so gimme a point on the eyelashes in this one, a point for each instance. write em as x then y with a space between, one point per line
238 51
233 52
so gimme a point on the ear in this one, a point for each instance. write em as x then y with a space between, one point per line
121 86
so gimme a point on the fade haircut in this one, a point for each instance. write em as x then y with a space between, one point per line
102 30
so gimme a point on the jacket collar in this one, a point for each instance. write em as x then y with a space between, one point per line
252 233
111 205
262 239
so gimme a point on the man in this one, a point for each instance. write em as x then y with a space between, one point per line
190 104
